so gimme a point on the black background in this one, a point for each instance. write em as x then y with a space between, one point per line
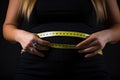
9 53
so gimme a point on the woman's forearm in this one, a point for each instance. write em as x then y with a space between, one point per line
13 34
10 32
114 34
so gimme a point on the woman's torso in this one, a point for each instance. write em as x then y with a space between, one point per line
63 15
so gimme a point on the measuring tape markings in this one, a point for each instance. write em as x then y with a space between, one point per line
64 33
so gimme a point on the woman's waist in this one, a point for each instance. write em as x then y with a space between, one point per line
64 34
63 38
61 26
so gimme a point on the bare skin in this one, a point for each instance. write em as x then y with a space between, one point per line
91 45
97 41
12 33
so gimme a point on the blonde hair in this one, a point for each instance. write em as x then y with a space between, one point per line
27 7
99 5
100 8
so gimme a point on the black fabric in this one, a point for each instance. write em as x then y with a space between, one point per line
62 11
61 64
78 15
66 15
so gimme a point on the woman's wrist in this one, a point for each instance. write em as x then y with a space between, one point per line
105 36
19 35
22 36
114 35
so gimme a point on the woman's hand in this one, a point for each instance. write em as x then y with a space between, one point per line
94 43
31 43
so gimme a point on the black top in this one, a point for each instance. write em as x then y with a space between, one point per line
61 11
70 15
54 11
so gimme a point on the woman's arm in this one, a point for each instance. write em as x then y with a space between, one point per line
12 33
113 20
97 41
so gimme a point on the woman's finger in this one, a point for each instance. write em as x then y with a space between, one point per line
84 43
39 47
35 52
89 49
91 54
94 43
43 42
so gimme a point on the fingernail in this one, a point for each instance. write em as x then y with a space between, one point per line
42 55
77 45
86 56
79 51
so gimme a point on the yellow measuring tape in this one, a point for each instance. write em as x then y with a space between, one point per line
64 33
